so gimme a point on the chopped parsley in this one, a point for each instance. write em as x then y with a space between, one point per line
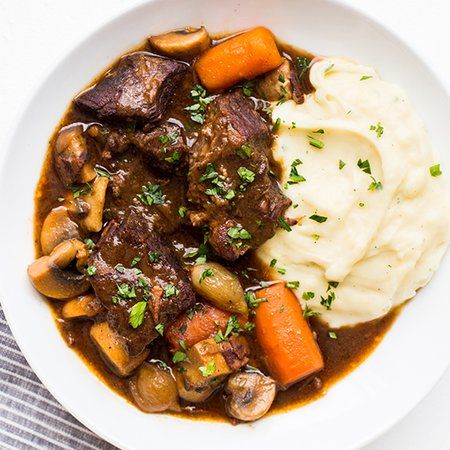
179 356
308 312
332 335
273 262
283 224
209 369
341 164
89 244
330 67
169 138
435 171
303 65
245 151
238 233
135 261
201 100
171 290
91 270
328 300
364 166
276 125
375 185
281 271
315 142
308 295
119 268
365 77
378 128
125 291
248 88
160 328
319 219
154 256
79 191
246 175
209 173
151 195
137 314
102 172
252 301
232 326
249 326
174 158
182 211
206 273
294 176
293 284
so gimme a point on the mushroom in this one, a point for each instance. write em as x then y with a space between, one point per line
95 198
71 156
182 44
193 393
154 389
250 395
57 227
82 307
51 276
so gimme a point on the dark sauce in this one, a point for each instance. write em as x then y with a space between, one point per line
341 355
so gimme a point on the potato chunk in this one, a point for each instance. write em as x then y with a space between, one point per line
113 350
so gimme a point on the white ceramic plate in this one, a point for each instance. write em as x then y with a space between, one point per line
382 390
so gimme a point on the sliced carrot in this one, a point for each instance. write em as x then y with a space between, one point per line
198 324
243 57
285 336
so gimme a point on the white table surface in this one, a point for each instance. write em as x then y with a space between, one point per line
34 34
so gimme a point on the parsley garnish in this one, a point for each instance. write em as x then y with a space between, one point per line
245 151
252 301
375 185
137 314
378 128
209 369
206 273
341 164
78 191
238 233
308 295
294 176
364 166
308 312
174 158
435 171
90 244
248 87
135 260
182 211
171 290
365 77
332 335
154 256
273 262
91 270
151 195
246 174
179 357
160 328
119 268
102 172
283 224
302 66
318 218
293 284
327 301
276 125
315 142
201 101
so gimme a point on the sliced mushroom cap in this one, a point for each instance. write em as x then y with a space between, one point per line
81 307
95 198
51 277
154 389
71 156
250 395
57 227
181 44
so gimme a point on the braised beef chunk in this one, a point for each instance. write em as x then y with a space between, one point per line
229 180
138 89
134 264
164 146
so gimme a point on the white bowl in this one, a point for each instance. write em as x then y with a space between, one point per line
382 390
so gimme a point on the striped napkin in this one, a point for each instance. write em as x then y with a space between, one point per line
30 418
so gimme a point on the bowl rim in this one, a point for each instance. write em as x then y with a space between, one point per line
8 142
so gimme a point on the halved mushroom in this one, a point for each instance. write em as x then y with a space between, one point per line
71 156
57 227
95 198
250 395
81 307
193 393
154 389
51 276
181 44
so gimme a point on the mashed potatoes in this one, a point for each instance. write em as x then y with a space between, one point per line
372 220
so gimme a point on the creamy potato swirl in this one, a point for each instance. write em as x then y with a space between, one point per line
371 217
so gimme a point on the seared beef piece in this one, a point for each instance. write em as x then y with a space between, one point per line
236 352
164 146
119 284
139 88
229 181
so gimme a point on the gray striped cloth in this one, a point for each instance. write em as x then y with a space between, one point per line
30 418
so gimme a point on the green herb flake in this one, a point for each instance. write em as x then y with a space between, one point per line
435 171
246 175
249 326
328 300
102 172
160 328
302 65
308 312
154 256
375 185
182 211
273 262
135 261
238 233
294 176
276 125
281 271
365 77
206 273
341 164
89 244
319 219
152 195
174 158
308 295
378 128
245 151
283 224
293 284
332 335
137 314
364 166
209 369
315 142
91 270
79 191
171 290
179 356
201 100
248 88
252 301
119 268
